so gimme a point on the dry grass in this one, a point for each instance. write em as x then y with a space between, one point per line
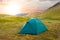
9 31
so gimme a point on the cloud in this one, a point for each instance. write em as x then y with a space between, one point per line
36 5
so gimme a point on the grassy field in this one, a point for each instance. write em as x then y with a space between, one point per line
9 30
10 25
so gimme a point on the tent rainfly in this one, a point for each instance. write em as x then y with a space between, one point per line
33 26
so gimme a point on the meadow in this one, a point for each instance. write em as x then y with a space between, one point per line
10 25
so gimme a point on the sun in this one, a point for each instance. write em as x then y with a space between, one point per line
12 8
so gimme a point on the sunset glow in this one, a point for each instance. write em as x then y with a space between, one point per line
12 8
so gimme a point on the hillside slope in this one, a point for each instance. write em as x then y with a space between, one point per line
52 13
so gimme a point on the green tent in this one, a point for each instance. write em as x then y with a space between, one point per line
33 26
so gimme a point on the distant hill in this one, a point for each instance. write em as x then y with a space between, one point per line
52 13
22 14
55 5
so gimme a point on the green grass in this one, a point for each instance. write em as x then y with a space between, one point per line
7 18
10 25
53 13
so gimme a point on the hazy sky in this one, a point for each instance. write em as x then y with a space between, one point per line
28 5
